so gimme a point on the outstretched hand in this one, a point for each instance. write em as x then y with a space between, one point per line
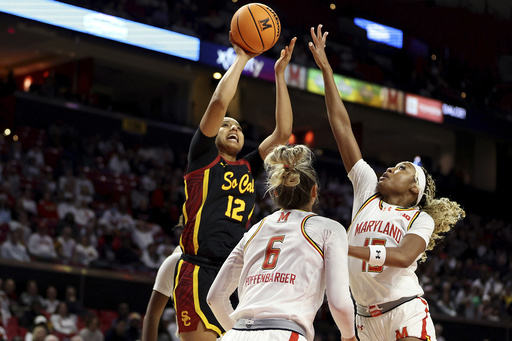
284 59
317 47
239 51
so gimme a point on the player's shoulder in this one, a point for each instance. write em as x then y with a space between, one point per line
325 222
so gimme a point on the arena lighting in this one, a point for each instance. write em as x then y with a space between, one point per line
381 33
104 26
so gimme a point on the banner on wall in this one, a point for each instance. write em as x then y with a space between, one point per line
296 76
393 99
424 108
222 57
350 89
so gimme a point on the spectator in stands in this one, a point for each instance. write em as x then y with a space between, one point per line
84 214
123 311
118 163
67 181
65 244
14 247
128 254
68 221
31 294
51 301
84 190
39 333
30 169
143 233
5 311
75 306
84 253
67 205
36 153
28 203
23 222
3 332
111 218
40 244
91 331
150 257
39 321
28 318
63 322
126 220
5 211
133 330
47 208
169 322
48 183
117 332
12 296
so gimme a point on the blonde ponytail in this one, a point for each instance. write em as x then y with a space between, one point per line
290 175
444 212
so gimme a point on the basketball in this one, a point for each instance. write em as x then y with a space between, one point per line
255 27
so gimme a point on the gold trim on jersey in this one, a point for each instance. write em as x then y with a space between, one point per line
185 215
256 232
180 263
206 179
416 215
311 241
363 206
197 305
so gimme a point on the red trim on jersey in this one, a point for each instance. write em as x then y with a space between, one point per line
424 335
202 169
310 241
294 336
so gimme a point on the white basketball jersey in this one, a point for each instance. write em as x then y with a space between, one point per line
284 270
375 222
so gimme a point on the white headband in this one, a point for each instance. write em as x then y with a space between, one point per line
421 180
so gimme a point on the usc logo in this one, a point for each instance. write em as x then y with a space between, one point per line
243 186
185 318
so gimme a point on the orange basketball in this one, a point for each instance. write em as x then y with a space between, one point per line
255 27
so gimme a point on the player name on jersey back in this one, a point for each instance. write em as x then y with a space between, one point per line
276 277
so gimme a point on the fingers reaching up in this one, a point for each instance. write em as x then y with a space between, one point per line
317 46
286 55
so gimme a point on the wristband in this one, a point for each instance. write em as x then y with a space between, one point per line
377 255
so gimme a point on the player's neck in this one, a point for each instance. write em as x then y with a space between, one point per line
397 200
227 157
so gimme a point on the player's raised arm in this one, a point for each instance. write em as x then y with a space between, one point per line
336 111
284 113
224 93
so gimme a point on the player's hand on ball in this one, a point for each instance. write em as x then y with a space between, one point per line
284 59
239 51
317 47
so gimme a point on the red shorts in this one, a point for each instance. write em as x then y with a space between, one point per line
193 283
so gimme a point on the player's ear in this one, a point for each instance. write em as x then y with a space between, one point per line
314 191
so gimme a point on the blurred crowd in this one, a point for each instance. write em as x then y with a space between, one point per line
114 202
30 314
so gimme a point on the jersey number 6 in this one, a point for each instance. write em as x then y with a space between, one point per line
272 253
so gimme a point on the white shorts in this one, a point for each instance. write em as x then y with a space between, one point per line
409 319
259 335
